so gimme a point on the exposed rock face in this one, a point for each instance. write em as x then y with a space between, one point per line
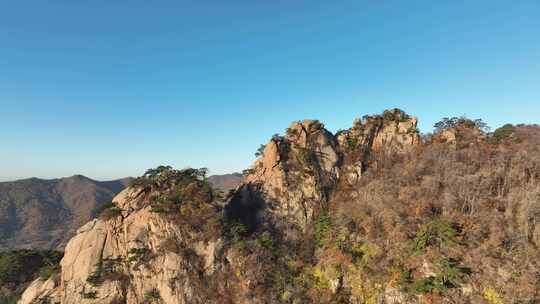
294 173
37 289
139 255
139 236
458 130
297 172
392 130
448 136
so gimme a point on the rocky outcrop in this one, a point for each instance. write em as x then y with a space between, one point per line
139 254
297 172
39 289
393 130
460 130
133 248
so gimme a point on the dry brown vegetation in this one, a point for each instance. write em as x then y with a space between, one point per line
488 193
451 220
448 221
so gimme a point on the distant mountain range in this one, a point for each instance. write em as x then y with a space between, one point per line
44 214
226 182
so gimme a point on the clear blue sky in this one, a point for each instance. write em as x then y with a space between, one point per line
110 88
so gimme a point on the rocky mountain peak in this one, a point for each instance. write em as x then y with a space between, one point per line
165 218
297 172
394 129
458 130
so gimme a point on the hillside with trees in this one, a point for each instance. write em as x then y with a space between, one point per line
44 214
377 213
19 267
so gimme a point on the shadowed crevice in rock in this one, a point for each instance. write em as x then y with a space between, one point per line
246 207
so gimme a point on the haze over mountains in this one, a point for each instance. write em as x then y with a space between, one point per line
45 213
